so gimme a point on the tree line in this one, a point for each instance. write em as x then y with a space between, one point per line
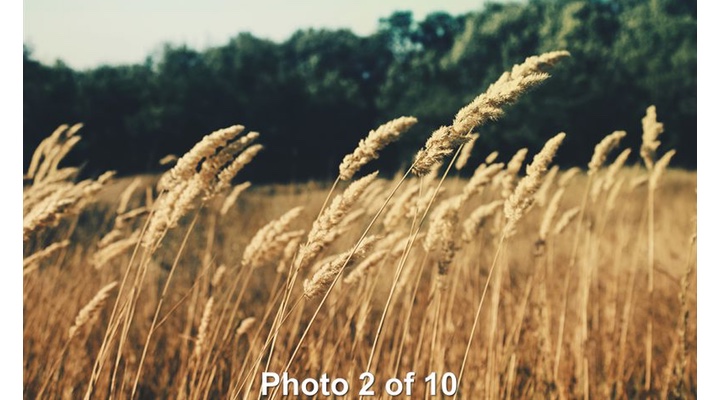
313 96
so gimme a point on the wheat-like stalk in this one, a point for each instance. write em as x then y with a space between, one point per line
103 256
226 175
613 194
542 193
659 168
423 203
43 166
473 223
91 309
440 238
61 174
602 149
321 233
491 157
122 219
217 276
358 273
232 197
270 240
614 168
509 178
203 328
289 251
328 272
187 165
46 206
567 176
550 214
651 130
219 156
398 208
368 149
485 107
565 220
245 326
481 177
43 149
126 195
521 199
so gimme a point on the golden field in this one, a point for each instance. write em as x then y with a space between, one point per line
523 281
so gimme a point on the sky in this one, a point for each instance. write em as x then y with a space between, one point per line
88 33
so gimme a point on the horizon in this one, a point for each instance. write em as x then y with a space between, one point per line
93 34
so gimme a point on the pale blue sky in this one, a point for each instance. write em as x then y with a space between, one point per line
86 33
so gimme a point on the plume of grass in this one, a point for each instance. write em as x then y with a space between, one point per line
126 195
567 176
186 166
476 219
270 241
326 275
217 276
168 159
112 250
122 219
358 273
509 178
565 220
550 214
62 174
651 130
203 328
423 202
321 232
542 193
506 90
491 157
522 198
245 326
289 251
91 309
68 198
440 238
481 177
602 150
659 168
614 168
485 107
441 143
219 156
397 210
43 149
375 141
54 151
226 176
232 197
613 194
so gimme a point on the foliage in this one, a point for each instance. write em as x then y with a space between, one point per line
316 94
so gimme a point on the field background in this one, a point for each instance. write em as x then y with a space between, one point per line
532 287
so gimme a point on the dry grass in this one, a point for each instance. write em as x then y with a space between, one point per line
172 294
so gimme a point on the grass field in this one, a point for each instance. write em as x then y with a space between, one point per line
524 281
